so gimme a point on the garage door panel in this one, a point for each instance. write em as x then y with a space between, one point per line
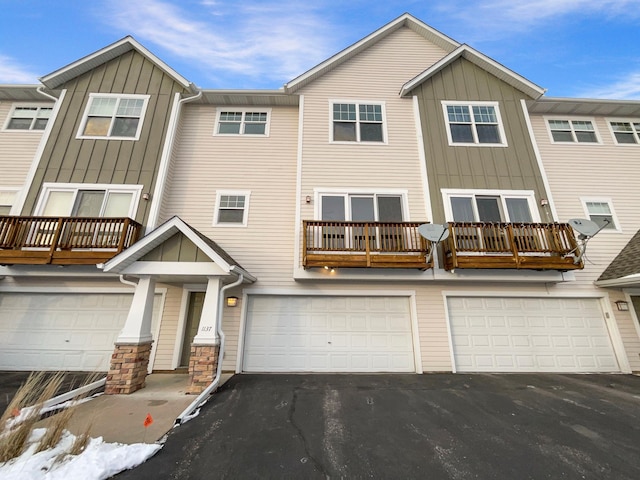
555 335
347 334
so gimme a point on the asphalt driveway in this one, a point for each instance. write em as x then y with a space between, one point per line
409 426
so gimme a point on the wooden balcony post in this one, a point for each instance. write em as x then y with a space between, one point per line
514 248
304 243
56 237
367 244
452 248
124 234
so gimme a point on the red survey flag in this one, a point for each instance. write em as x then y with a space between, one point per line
148 420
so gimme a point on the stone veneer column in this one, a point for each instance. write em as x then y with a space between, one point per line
203 365
128 371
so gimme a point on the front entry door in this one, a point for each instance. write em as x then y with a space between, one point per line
194 312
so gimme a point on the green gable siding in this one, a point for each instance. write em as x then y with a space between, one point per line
177 248
476 167
67 159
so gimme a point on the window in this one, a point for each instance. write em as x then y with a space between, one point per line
490 206
600 211
117 117
572 131
88 200
241 122
362 207
357 122
25 117
626 132
231 208
7 198
473 124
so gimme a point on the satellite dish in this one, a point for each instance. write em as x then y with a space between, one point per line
434 232
587 228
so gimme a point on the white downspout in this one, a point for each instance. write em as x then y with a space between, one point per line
203 397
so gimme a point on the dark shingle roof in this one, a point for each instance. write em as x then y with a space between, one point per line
627 262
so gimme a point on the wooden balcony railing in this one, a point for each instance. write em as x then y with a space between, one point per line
363 245
536 246
63 240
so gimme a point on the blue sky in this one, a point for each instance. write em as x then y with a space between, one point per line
573 48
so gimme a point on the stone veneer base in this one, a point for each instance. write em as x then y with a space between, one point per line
128 371
203 364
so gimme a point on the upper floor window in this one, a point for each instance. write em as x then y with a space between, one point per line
242 122
357 122
27 117
232 208
495 206
572 131
475 123
88 200
113 116
626 132
362 207
7 198
600 211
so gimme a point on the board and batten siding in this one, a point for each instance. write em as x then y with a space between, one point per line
67 159
376 75
604 170
513 167
17 147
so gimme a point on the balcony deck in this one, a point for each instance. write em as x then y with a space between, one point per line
364 245
533 246
64 240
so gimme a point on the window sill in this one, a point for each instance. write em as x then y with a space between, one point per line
499 145
108 138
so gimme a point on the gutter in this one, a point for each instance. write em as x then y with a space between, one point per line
204 396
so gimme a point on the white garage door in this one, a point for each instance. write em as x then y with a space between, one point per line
328 334
60 331
530 335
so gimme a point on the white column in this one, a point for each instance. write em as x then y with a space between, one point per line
137 328
207 332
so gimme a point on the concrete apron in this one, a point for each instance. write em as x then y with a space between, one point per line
121 418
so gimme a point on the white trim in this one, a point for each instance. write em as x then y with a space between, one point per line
636 136
49 187
284 292
536 150
174 268
603 300
424 174
182 321
245 215
20 201
357 103
156 334
119 96
16 193
38 105
447 319
298 223
628 293
374 193
471 104
61 289
244 111
609 202
571 119
529 195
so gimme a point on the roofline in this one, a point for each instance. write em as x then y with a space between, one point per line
279 92
471 54
633 279
51 77
601 101
369 39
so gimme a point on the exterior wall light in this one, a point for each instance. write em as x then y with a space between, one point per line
622 305
232 301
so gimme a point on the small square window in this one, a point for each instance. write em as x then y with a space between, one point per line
231 208
29 118
242 122
354 122
572 131
601 212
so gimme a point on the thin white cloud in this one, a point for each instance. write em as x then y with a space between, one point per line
275 41
12 72
627 89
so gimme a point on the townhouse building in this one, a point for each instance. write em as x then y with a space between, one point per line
151 225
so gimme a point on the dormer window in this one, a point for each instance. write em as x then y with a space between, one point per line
113 117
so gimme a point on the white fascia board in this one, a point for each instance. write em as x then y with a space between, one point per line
481 61
174 268
628 281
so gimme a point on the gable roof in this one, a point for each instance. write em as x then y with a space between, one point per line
124 45
165 231
465 51
404 20
625 268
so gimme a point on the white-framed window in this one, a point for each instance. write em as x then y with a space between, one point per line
7 199
88 200
232 208
28 117
495 206
113 116
238 121
474 123
564 130
600 210
359 205
357 121
625 132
